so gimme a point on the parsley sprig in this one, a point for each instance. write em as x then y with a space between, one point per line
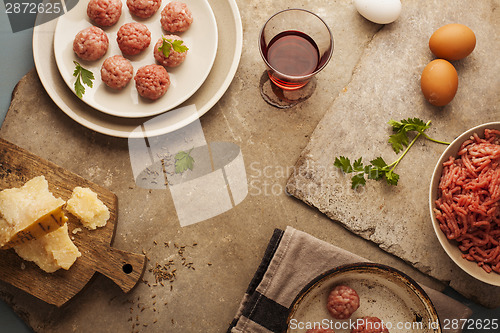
82 76
168 44
378 169
399 139
183 161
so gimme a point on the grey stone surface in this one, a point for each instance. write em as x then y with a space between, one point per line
205 299
386 85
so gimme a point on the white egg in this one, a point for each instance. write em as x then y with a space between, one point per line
379 11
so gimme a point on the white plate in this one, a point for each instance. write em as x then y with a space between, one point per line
201 38
384 292
225 65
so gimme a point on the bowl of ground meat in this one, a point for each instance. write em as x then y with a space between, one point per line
464 201
362 298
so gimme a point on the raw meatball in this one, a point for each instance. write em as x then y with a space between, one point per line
342 302
133 38
104 12
369 325
91 43
320 330
143 8
174 58
152 81
116 72
176 17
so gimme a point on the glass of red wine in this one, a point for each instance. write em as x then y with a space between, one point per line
296 44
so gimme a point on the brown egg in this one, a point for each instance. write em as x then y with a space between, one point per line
452 42
439 82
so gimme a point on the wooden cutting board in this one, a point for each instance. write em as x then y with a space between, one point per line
18 166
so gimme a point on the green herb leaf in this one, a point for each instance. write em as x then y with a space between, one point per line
358 180
400 139
179 46
87 77
165 48
373 173
343 164
82 75
379 163
392 178
183 161
358 165
169 44
79 88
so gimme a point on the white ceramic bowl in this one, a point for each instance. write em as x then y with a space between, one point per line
450 246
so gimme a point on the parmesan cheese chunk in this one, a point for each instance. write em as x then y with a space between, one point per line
85 205
53 251
29 212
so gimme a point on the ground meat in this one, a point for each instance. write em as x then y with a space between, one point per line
468 200
176 17
104 12
143 8
174 59
320 330
133 38
342 302
91 43
152 81
369 325
116 72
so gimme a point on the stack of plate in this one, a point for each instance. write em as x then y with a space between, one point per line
214 40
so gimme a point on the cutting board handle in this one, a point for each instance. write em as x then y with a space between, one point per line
124 268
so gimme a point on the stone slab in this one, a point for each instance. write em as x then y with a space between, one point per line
386 85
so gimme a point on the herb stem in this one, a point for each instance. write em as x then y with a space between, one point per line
396 162
434 140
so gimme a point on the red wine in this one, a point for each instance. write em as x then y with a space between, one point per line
293 53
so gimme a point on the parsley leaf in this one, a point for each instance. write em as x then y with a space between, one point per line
82 75
178 46
392 178
183 161
169 44
376 170
399 140
358 165
343 164
357 180
379 163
